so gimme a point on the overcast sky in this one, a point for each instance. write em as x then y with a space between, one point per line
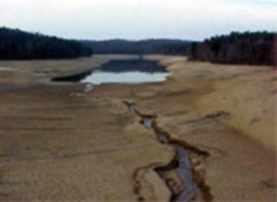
137 19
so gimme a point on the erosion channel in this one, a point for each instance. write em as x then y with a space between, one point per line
185 174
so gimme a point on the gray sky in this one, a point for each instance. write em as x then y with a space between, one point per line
137 19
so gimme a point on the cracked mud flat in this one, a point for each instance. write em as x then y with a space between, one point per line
64 143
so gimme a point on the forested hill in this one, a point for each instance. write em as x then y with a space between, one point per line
256 48
17 44
151 46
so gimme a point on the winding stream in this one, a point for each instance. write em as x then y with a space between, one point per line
185 173
184 168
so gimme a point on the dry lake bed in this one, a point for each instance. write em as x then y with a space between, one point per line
204 132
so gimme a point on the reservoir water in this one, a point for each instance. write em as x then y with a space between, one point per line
128 77
128 72
132 71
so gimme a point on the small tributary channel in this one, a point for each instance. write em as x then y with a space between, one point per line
181 165
183 168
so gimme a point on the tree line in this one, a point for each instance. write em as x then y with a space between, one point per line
16 44
149 46
256 48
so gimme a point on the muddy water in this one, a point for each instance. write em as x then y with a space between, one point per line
185 173
147 122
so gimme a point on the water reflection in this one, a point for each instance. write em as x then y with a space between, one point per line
129 77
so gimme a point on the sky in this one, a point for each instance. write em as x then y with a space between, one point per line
139 19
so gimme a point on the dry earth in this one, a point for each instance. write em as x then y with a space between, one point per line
61 144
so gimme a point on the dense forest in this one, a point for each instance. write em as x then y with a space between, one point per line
150 46
17 44
257 48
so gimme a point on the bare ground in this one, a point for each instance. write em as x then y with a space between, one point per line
61 144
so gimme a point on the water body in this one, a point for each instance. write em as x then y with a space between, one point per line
102 77
185 173
128 72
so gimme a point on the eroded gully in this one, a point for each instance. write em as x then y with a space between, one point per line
184 176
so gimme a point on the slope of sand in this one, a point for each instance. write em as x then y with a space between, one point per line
56 146
61 144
